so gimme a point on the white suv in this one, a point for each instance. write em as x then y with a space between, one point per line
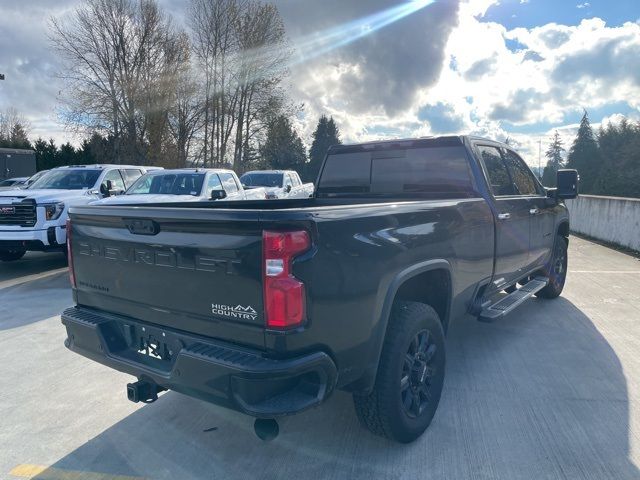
278 183
35 218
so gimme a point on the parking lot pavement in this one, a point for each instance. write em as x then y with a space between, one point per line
553 391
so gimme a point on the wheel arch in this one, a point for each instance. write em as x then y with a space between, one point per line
406 285
563 229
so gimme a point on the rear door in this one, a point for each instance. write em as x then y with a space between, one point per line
540 209
195 270
512 215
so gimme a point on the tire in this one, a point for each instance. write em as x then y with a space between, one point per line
411 367
556 270
11 255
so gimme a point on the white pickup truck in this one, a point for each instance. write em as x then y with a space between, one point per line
185 185
35 218
278 183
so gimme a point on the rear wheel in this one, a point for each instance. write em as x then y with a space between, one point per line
410 375
11 255
556 270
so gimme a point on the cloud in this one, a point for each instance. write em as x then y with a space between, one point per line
394 62
532 56
443 69
30 84
518 105
553 38
616 59
442 118
479 69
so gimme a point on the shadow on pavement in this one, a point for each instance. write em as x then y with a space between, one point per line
540 394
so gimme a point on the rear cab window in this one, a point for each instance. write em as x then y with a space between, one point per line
229 182
130 175
432 171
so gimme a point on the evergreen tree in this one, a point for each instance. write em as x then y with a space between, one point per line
283 148
19 137
619 150
46 153
66 155
584 156
554 160
325 136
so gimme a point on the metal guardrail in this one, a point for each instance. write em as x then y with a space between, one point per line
614 220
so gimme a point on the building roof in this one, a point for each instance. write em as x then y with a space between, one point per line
17 151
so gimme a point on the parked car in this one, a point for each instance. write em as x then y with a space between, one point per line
268 307
278 183
35 218
13 183
186 185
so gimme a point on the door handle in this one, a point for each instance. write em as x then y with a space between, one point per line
504 216
534 211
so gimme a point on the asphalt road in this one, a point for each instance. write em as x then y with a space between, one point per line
552 391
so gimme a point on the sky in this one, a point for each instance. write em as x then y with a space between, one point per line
517 69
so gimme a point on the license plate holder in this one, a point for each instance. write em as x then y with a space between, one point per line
153 347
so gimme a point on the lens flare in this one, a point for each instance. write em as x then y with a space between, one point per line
260 63
322 42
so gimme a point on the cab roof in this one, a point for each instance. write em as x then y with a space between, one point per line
433 141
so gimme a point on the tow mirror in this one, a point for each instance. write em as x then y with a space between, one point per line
218 194
287 189
567 182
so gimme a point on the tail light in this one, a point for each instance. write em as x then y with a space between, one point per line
284 295
72 273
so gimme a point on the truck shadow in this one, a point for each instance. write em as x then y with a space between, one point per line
540 394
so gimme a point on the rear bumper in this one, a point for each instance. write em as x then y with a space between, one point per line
227 375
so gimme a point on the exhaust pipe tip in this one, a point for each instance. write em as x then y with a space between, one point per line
266 429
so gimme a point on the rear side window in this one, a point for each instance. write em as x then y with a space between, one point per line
497 174
287 180
116 180
522 177
130 175
432 170
229 182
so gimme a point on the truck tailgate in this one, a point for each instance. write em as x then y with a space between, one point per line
187 269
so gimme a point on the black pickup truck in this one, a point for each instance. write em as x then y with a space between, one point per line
266 307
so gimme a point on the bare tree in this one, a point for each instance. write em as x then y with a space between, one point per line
121 58
185 116
212 26
14 127
263 51
240 47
